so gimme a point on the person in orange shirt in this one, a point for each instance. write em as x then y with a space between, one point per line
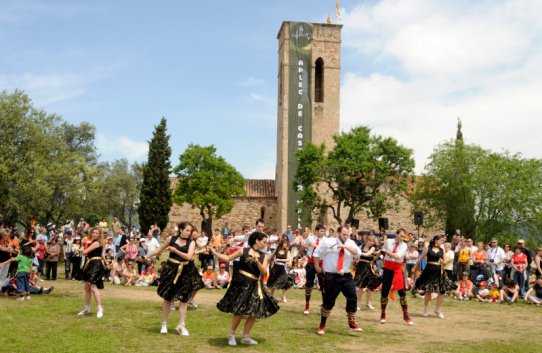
209 278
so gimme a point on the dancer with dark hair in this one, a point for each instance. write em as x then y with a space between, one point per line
311 244
365 278
245 295
394 251
279 277
337 254
93 272
175 279
433 279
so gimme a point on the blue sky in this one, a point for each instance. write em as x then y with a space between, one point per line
409 69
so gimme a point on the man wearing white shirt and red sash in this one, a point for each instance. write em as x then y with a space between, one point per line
337 254
311 244
394 251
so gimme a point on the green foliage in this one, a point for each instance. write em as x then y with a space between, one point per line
483 193
207 182
155 195
361 172
45 163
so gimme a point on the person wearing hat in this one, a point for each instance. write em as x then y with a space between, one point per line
223 277
209 278
464 288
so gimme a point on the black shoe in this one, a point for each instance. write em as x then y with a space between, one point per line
48 290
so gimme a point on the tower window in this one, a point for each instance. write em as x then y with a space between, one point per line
319 81
262 212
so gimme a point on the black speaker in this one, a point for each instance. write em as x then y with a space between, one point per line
355 223
383 223
418 218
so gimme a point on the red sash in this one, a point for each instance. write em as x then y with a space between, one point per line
398 280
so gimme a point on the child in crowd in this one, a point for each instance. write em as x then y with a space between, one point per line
483 292
534 295
494 293
223 277
510 292
147 276
209 278
24 264
464 288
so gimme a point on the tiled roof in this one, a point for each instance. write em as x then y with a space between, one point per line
259 188
254 188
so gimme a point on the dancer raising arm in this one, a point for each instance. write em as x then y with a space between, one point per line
175 279
245 295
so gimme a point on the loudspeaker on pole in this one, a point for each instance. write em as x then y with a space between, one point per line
418 218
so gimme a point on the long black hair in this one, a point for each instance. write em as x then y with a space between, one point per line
254 237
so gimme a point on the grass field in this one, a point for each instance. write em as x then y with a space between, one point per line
48 323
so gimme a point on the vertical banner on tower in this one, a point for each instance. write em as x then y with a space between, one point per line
299 108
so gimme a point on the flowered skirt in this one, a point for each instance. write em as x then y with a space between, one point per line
434 280
365 277
93 272
279 278
246 296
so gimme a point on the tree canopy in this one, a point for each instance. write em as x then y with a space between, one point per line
361 172
207 182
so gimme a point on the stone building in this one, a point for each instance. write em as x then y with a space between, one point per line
308 109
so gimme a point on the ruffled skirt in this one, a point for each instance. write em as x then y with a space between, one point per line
433 280
93 272
365 277
279 278
195 278
181 288
243 298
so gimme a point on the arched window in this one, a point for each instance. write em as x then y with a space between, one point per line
319 81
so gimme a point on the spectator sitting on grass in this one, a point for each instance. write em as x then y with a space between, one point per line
129 275
11 288
494 293
464 288
223 277
510 292
483 292
147 276
209 278
534 294
117 270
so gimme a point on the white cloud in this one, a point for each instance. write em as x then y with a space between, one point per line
261 98
121 147
252 82
434 61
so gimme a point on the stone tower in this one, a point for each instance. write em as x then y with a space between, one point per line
309 70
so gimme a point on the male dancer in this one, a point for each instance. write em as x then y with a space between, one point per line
394 251
311 243
337 254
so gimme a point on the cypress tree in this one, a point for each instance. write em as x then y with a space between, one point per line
155 196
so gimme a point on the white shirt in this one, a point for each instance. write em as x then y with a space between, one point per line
496 254
273 238
310 249
151 244
329 251
401 250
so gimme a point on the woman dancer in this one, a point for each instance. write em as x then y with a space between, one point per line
175 278
93 272
195 276
278 277
365 277
245 295
433 279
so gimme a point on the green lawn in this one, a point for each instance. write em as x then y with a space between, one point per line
48 323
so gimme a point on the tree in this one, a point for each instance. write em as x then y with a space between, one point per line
155 195
481 192
43 176
361 172
207 182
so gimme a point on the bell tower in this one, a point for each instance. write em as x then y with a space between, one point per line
309 71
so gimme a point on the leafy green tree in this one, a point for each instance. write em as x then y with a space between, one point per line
42 175
155 195
207 182
361 172
483 193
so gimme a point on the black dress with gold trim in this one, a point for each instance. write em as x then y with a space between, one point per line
433 279
246 294
175 280
365 276
94 269
195 277
278 276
